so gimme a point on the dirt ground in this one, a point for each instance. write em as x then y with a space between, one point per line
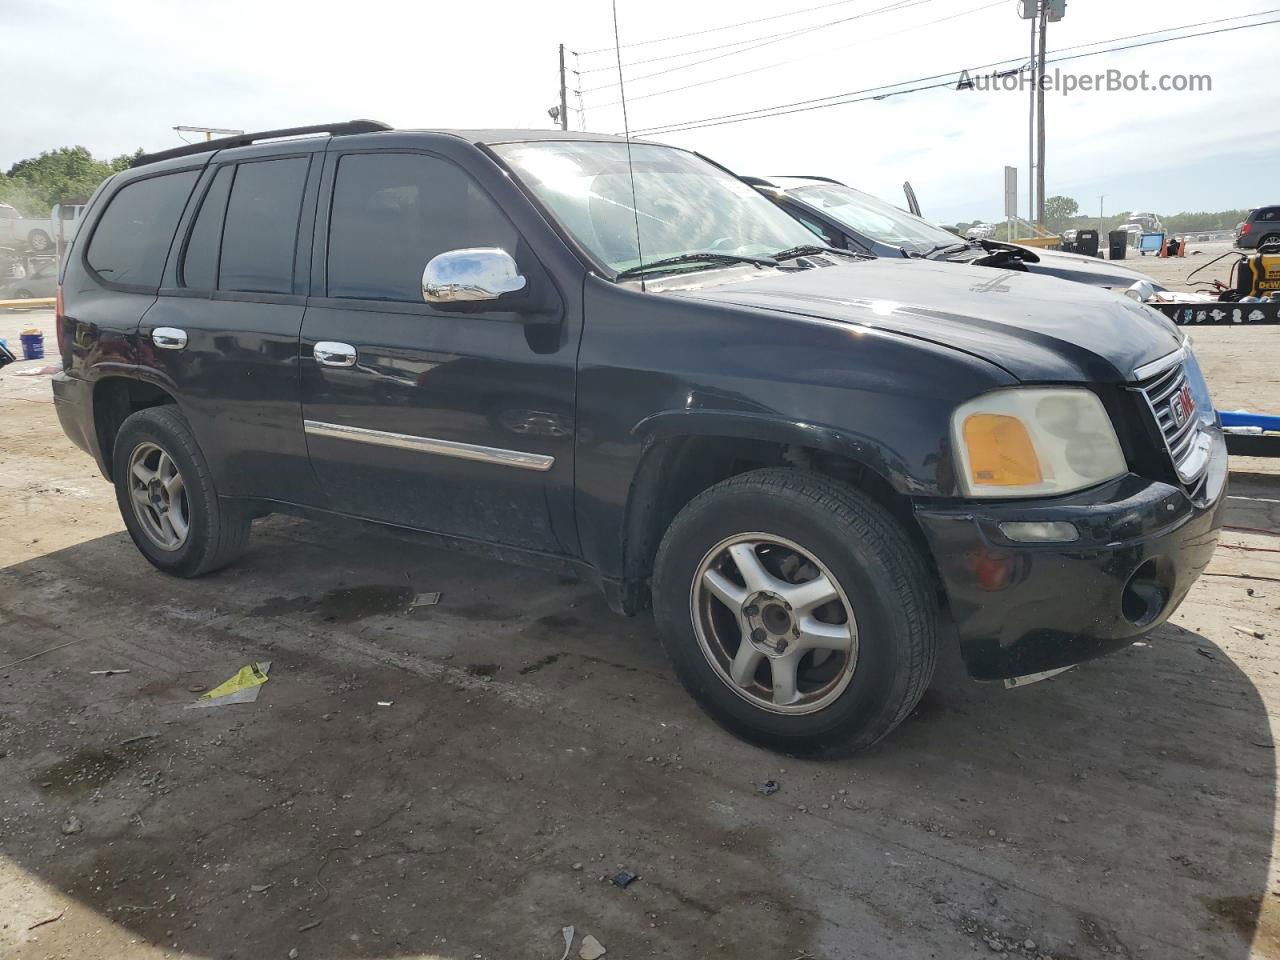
534 745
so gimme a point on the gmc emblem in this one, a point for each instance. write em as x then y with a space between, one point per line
1182 406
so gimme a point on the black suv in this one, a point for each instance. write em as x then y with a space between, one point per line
1261 228
620 357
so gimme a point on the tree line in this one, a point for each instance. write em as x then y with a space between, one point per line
34 185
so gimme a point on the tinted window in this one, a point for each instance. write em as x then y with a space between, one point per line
261 226
200 263
132 239
392 212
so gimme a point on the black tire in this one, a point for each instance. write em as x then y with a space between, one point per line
1269 240
39 241
874 562
217 530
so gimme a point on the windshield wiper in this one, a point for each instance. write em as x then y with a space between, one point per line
695 258
945 248
813 249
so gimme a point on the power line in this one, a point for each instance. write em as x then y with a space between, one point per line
819 103
807 56
768 41
728 26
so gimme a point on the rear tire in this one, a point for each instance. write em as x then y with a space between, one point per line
758 653
39 241
1269 239
167 498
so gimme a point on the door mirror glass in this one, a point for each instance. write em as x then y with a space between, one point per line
470 275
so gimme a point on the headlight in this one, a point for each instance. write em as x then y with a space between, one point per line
1034 441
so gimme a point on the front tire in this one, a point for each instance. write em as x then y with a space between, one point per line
796 611
167 498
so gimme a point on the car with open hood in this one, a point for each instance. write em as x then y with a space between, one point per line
615 358
853 220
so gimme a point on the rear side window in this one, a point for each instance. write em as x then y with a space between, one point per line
261 229
1271 214
392 212
200 264
132 238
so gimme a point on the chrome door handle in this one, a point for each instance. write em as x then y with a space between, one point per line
169 338
333 354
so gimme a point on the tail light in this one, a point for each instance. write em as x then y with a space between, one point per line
1245 228
59 324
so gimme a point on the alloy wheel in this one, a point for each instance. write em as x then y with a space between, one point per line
774 623
159 496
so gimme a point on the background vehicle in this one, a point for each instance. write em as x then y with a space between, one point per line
24 232
40 281
850 219
1262 227
11 266
790 452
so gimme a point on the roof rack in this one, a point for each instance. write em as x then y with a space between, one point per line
346 128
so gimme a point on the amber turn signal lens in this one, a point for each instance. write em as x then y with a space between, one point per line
1000 452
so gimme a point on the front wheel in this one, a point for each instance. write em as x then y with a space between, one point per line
167 498
796 611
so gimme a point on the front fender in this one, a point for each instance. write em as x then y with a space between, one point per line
771 428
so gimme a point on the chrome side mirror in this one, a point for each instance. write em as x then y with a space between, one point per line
473 274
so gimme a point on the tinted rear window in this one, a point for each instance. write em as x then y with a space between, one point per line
132 239
261 228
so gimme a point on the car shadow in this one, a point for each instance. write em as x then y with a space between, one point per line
464 777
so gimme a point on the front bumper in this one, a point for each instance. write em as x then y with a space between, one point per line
1022 608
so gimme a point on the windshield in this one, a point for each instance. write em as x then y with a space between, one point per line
874 218
685 205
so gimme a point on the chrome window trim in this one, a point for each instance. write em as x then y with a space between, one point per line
445 448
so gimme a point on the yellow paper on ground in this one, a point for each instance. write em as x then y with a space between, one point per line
242 688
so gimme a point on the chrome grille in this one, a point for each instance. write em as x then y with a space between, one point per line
1184 441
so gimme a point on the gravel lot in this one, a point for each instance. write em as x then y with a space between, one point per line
535 744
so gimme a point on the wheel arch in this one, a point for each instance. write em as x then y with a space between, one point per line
115 398
686 452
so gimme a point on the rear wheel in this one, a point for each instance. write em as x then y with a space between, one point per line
39 241
1271 239
167 498
796 611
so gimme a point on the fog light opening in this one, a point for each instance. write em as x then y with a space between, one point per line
1040 531
1145 595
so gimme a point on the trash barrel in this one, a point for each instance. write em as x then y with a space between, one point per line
1087 243
1118 244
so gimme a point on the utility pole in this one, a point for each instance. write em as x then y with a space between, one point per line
1031 132
1044 29
1101 216
564 95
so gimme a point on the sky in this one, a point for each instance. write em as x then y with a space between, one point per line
117 76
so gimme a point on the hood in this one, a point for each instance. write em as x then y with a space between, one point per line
1090 270
1037 328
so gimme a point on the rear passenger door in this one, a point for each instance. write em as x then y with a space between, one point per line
224 330
452 421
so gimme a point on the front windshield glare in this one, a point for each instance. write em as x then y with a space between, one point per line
685 205
874 218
